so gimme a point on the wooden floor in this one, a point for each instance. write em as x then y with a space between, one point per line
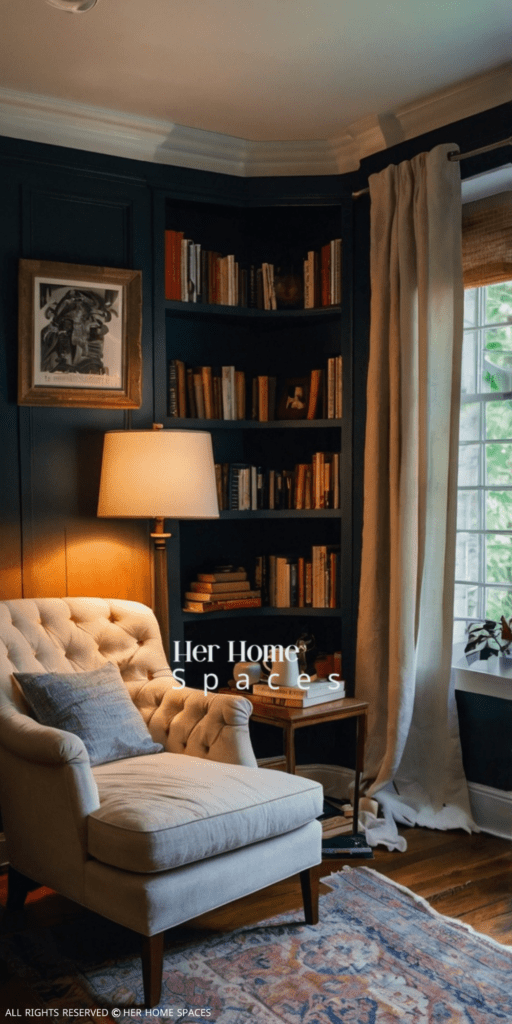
464 876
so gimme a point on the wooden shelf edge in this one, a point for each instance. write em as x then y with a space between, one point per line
206 309
287 513
197 424
265 611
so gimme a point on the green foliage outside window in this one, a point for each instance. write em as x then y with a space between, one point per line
484 559
498 342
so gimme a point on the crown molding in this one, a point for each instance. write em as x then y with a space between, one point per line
78 126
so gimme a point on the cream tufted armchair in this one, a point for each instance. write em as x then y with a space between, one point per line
148 841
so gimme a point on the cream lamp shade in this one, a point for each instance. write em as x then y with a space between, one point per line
158 474
161 474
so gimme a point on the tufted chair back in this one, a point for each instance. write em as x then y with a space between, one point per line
78 634
82 633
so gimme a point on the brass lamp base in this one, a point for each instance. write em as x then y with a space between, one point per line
161 586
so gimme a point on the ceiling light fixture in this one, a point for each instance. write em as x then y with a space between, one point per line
73 6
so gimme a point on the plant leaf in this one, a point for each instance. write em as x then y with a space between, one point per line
506 631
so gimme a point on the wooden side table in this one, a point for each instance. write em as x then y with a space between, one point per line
291 719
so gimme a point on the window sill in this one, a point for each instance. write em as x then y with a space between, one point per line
485 677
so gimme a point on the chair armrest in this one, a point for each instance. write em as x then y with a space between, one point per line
187 721
47 791
40 744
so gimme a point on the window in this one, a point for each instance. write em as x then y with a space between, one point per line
483 573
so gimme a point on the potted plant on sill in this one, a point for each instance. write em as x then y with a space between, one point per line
490 639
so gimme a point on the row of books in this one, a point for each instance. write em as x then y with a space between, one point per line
311 580
221 393
214 591
281 581
322 276
194 274
314 485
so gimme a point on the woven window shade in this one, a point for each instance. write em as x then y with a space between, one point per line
487 240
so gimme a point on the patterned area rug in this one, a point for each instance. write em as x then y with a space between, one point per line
380 955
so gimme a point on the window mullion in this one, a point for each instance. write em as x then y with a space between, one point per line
482 563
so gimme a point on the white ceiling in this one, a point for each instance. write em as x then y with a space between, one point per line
289 73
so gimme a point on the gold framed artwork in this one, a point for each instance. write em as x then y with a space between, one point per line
79 336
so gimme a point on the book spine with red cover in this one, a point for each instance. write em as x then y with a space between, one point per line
325 274
173 241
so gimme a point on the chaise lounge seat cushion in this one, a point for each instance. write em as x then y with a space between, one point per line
161 811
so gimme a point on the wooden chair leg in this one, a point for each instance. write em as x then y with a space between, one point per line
152 966
18 888
309 886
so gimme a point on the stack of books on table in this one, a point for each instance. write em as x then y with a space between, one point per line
221 591
339 840
320 691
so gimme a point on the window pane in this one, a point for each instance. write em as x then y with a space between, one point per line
498 558
467 558
484 505
498 303
470 307
469 465
469 364
498 463
498 602
498 510
498 419
459 632
466 601
497 359
468 511
498 339
470 422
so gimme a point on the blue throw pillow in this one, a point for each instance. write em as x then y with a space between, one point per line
95 705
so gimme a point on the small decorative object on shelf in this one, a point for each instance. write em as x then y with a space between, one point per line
294 400
328 664
221 590
246 674
489 639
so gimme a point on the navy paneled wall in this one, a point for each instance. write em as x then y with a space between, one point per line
51 542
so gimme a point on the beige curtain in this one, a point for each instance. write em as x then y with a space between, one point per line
414 764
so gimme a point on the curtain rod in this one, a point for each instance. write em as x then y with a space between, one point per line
454 156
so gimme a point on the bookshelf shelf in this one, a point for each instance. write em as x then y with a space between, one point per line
266 611
236 425
287 513
245 313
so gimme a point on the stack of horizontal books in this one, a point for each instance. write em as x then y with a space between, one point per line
320 691
221 591
339 838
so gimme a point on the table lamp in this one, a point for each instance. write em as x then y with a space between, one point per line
158 474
